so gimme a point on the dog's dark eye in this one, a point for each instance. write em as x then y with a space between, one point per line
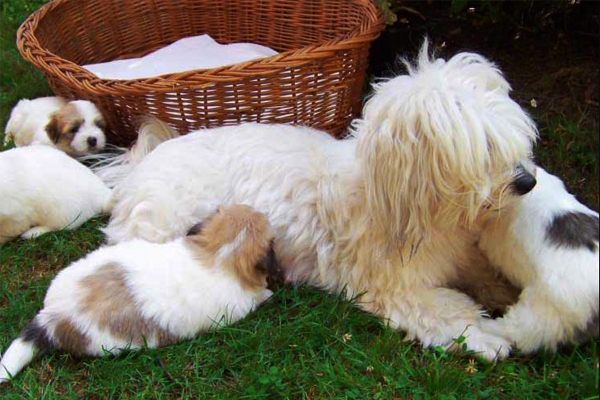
74 129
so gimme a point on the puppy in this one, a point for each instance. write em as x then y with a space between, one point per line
124 296
75 127
548 245
42 190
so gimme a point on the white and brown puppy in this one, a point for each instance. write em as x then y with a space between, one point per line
76 127
547 245
43 190
124 296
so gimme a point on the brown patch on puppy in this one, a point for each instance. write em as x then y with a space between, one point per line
69 338
63 127
108 300
239 240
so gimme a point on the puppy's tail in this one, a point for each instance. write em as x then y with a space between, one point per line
113 167
33 340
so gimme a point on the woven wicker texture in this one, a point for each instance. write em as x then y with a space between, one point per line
316 80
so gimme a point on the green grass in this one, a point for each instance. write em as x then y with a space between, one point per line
18 79
294 346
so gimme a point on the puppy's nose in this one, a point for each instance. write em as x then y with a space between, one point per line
92 141
524 183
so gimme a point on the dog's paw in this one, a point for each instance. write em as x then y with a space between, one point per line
35 232
495 327
485 346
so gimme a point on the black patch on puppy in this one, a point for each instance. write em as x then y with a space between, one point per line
34 332
269 266
196 229
574 230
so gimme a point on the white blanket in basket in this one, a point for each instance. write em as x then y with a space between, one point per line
196 52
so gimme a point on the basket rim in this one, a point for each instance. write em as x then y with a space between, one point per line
56 66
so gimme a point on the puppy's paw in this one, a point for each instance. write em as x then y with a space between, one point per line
485 346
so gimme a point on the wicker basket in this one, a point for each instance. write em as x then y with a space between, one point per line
316 80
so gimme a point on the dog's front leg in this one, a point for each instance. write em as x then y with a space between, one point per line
548 245
440 316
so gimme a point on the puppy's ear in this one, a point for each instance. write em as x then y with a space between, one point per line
269 266
52 129
251 265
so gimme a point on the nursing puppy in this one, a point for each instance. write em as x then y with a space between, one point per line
137 293
393 212
547 245
75 127
42 190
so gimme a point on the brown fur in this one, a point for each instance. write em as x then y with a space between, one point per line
486 285
69 338
108 299
244 260
61 125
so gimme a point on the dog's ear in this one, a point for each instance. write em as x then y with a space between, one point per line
52 128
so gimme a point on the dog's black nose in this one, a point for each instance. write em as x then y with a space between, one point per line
524 183
92 141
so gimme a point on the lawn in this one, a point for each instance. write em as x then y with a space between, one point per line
301 344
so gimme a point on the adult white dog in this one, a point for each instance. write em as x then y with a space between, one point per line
393 212
75 127
43 190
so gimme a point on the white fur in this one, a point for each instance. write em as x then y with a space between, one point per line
560 284
42 190
112 168
29 118
393 211
167 284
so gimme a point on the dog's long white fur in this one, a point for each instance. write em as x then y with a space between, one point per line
393 212
42 190
115 165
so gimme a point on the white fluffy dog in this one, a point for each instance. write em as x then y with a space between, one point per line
75 127
548 245
393 212
133 293
42 190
